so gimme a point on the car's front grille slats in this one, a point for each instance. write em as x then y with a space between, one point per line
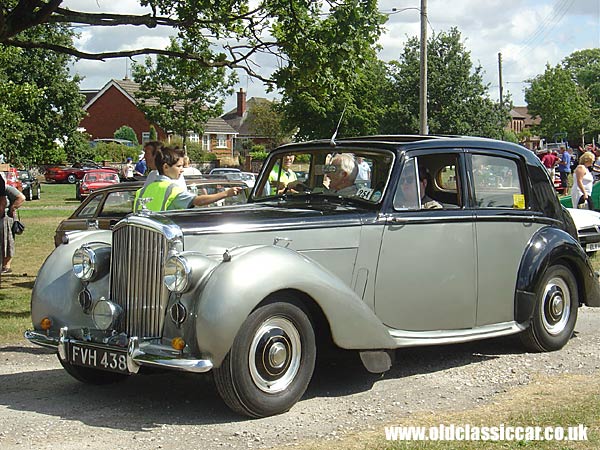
137 269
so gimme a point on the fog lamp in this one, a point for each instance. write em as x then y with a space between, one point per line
45 324
105 314
178 343
177 274
84 263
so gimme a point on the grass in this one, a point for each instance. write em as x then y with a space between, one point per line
41 217
568 400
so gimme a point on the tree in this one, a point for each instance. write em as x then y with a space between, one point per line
239 29
267 121
584 66
457 97
41 101
127 133
180 95
153 133
562 105
331 66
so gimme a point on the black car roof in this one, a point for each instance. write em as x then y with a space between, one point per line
400 143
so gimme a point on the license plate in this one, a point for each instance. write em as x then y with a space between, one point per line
98 358
594 246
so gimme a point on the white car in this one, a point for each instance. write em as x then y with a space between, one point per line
588 228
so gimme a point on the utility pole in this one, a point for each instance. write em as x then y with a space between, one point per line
423 128
500 78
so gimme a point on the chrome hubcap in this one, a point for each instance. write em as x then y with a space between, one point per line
275 354
555 311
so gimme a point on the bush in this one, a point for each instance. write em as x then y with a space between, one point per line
112 151
126 132
258 153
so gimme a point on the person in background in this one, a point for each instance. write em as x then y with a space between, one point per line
141 166
583 182
549 161
564 169
165 192
364 172
128 170
15 200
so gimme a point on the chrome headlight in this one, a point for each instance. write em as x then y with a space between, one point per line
177 274
105 314
84 263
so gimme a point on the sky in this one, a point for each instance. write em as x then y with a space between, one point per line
528 34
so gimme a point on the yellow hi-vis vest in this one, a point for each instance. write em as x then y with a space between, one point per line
162 194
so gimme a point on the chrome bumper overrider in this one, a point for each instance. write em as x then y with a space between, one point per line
138 353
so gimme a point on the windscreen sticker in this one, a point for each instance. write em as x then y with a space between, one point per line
365 193
519 201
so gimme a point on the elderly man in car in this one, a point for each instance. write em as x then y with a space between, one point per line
341 174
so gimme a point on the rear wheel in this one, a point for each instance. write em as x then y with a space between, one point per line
72 179
92 376
270 362
555 311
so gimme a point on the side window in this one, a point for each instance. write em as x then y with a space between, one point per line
90 209
118 204
497 183
429 182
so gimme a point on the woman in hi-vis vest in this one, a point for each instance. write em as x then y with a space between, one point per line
165 194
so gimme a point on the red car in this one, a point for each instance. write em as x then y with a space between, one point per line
94 180
74 173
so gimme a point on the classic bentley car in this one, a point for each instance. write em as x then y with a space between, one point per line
447 240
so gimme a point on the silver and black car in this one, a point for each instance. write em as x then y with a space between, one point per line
447 240
32 189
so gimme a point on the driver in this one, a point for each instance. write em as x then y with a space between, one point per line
280 177
341 175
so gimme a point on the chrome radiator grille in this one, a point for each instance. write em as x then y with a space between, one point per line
136 279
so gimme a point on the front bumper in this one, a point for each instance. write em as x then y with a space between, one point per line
138 353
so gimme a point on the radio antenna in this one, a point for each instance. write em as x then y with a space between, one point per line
332 141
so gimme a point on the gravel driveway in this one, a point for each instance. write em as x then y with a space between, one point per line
42 407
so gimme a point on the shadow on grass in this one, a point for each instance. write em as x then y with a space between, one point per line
30 350
13 314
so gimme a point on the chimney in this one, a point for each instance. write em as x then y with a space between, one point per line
241 102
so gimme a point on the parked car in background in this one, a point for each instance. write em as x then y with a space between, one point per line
94 180
103 208
223 170
454 240
125 142
32 190
588 228
73 173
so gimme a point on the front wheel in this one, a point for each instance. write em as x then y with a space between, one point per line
555 311
38 193
72 179
270 362
92 376
28 195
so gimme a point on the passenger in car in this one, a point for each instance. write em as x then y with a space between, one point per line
165 193
341 174
426 201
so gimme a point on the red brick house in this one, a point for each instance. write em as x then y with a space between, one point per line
114 106
521 120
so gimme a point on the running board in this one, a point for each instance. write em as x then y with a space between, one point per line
441 337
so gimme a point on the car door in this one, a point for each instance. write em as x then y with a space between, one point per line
504 225
426 274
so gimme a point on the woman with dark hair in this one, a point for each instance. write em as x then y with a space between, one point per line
165 194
